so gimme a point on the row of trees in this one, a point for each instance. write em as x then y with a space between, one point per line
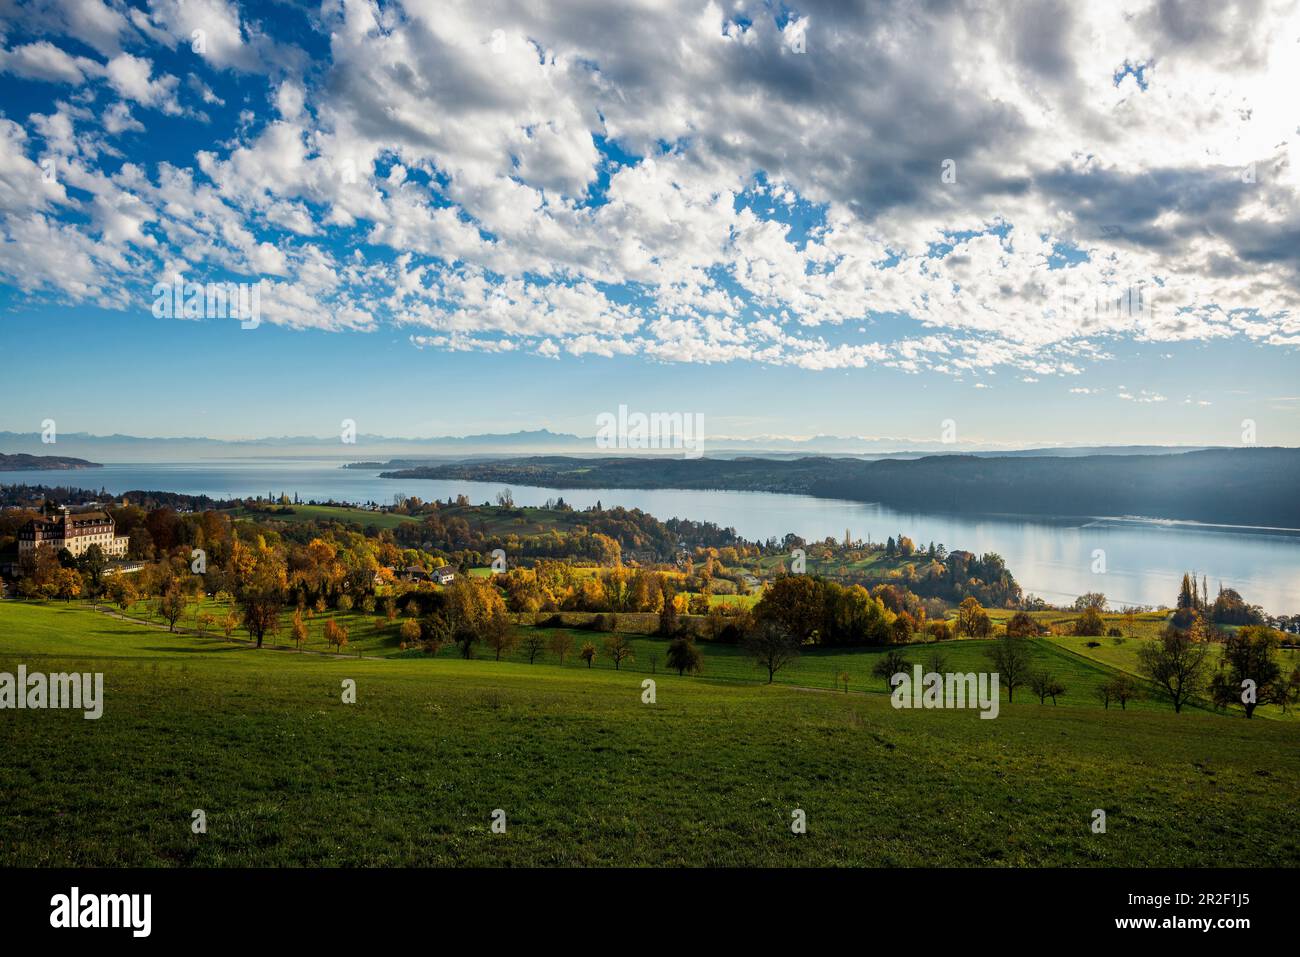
1227 608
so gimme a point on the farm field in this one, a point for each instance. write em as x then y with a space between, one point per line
589 775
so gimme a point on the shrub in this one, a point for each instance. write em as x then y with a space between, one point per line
683 656
1022 626
1089 624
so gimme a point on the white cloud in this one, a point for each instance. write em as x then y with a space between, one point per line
45 61
131 77
784 201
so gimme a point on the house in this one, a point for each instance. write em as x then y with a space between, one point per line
75 531
445 575
413 573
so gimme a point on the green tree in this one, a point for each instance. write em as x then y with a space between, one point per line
890 664
1090 623
795 604
683 656
93 562
1175 663
1248 655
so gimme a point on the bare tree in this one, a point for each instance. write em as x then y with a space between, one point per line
560 643
619 648
1046 685
889 665
1012 660
771 646
533 645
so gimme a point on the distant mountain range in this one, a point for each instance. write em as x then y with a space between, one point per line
395 452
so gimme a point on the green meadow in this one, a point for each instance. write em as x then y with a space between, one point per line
588 774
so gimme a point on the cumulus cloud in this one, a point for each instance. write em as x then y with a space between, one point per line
946 187
45 61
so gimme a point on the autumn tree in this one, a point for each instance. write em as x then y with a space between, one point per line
619 648
1093 599
972 620
588 653
121 592
669 623
1090 623
172 604
299 630
264 595
795 604
476 612
1022 625
336 635
410 632
560 644
67 584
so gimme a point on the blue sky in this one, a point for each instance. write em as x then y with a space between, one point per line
474 218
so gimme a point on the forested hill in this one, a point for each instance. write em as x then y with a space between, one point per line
21 462
1247 486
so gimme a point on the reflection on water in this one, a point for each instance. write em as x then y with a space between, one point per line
1053 558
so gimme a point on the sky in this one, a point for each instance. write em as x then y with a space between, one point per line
1045 223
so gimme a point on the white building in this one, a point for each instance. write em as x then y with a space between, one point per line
74 531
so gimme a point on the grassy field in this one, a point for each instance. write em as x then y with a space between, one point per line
1147 624
324 513
1080 668
589 775
490 520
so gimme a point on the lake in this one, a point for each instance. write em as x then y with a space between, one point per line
1052 558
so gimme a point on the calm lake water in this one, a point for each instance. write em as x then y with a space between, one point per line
1145 560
